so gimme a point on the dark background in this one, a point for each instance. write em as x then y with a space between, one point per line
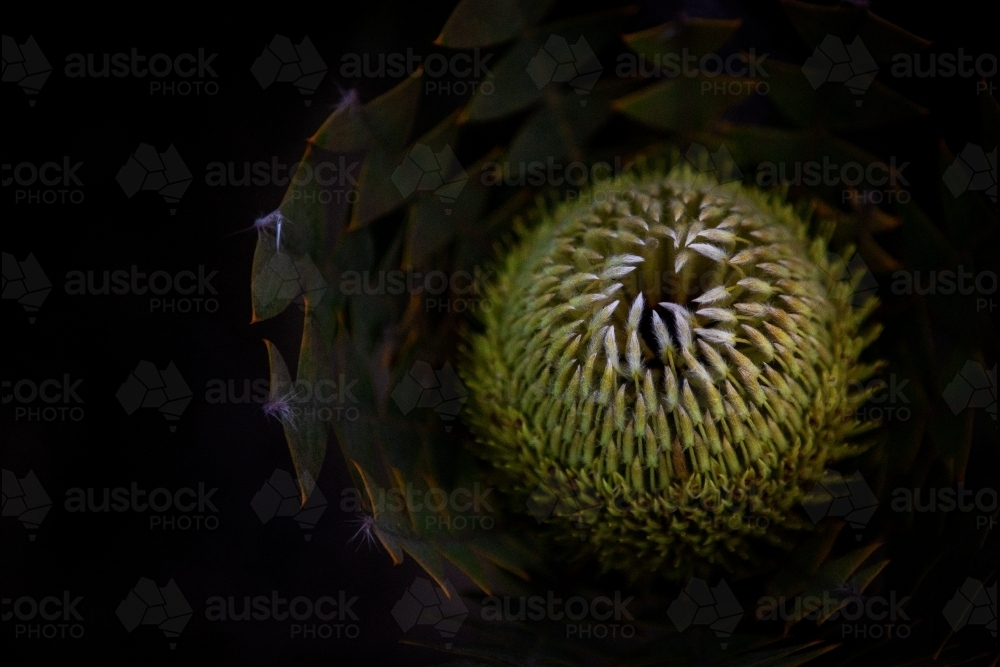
101 338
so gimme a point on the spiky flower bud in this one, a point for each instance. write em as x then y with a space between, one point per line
718 346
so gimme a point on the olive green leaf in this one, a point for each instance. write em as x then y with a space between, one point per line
489 22
699 36
813 22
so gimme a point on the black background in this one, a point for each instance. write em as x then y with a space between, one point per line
101 338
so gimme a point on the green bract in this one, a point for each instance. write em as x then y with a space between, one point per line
665 368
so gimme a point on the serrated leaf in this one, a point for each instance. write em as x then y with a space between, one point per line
266 297
833 105
968 216
280 279
560 128
786 156
389 179
700 36
838 571
371 315
753 144
360 438
378 194
518 645
382 125
863 579
281 379
465 560
391 116
488 22
857 585
313 212
924 246
506 553
387 533
680 104
785 657
813 22
804 562
525 72
512 89
422 518
306 437
427 557
312 432
428 230
539 137
345 129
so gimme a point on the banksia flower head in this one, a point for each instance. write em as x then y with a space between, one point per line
668 363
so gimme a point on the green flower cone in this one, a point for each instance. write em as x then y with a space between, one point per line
665 368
